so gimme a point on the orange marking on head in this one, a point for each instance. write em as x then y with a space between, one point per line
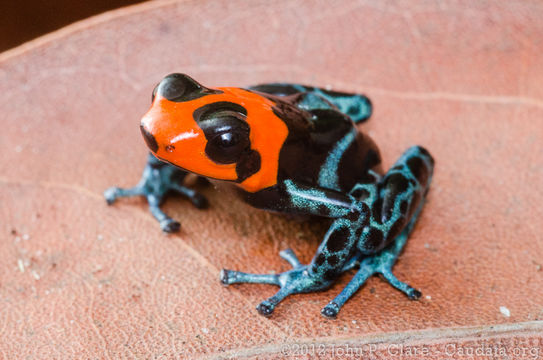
174 128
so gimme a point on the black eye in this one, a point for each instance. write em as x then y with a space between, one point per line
228 139
227 147
226 131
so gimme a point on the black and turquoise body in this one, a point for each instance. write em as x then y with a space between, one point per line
292 149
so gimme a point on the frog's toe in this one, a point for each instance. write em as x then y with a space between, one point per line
226 277
170 225
111 195
197 199
229 277
408 290
289 256
265 308
331 310
414 294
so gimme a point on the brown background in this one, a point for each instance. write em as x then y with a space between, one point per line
79 279
21 21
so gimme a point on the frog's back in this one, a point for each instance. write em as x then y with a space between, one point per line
324 147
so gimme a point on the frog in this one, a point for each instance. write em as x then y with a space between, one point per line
291 149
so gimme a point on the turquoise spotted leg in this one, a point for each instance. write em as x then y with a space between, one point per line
395 210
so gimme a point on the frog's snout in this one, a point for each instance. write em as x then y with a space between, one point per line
149 139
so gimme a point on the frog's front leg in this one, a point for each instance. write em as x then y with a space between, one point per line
158 179
335 255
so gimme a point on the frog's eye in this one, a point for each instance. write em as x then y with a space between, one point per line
225 129
228 139
180 88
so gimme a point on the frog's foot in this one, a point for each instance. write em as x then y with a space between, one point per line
380 263
157 181
167 224
298 280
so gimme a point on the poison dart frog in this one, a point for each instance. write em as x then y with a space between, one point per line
292 149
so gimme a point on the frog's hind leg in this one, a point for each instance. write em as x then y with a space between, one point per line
158 179
357 106
381 263
333 257
396 205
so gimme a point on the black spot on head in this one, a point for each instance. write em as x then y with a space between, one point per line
374 240
338 240
248 165
153 95
219 109
149 139
180 87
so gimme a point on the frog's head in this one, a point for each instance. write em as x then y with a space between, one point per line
199 129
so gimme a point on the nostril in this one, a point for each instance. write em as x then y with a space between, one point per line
149 139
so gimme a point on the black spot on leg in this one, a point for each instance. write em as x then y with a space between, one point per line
367 178
374 240
323 210
321 258
338 240
359 230
360 194
396 183
415 200
403 206
425 152
333 260
419 170
395 229
330 274
376 209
